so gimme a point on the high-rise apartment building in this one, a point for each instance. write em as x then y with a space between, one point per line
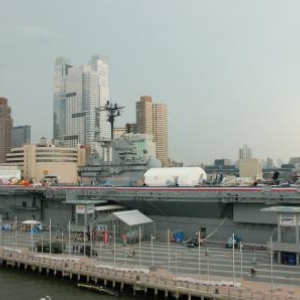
152 118
144 115
21 135
79 94
6 125
245 152
160 132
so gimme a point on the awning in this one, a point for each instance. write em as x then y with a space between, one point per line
132 217
282 209
108 207
31 222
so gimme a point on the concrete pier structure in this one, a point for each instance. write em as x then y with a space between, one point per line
158 283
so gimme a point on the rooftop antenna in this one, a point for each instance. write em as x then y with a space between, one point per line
114 110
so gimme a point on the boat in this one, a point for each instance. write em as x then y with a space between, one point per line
97 288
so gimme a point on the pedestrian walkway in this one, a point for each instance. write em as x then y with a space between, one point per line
145 279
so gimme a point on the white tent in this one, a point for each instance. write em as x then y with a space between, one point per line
31 222
184 176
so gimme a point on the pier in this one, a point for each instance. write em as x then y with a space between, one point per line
155 282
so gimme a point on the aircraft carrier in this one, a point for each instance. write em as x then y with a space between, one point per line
219 211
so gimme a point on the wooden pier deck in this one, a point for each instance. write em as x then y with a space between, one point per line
156 282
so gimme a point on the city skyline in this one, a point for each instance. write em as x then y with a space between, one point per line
228 72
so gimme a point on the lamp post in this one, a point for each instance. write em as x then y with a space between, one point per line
114 249
1 230
207 257
42 244
199 253
91 244
140 246
62 240
100 250
31 229
241 254
69 239
271 263
84 240
233 266
168 237
176 262
152 250
50 242
16 232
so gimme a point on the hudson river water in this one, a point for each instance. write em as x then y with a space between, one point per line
21 285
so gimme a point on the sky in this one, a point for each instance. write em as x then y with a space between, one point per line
228 71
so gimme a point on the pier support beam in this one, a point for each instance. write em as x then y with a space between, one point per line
166 293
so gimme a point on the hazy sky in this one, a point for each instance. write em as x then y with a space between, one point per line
229 71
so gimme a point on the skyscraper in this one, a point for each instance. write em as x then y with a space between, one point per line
79 93
152 118
6 124
21 135
160 132
245 152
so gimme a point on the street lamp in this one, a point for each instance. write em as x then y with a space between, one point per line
271 266
241 254
207 257
50 233
152 250
31 229
1 230
69 231
233 266
140 246
16 232
169 259
199 253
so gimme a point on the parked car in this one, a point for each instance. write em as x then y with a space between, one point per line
193 243
233 240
